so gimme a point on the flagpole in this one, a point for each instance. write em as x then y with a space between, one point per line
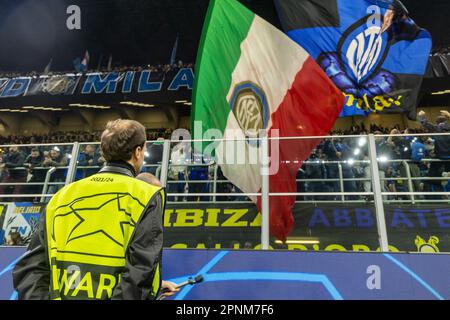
173 56
99 62
109 63
265 193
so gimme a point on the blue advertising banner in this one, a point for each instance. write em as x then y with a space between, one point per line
324 227
284 275
98 83
371 49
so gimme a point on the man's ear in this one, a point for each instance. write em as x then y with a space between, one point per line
136 152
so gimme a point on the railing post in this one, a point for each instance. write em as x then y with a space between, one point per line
216 166
165 163
73 164
410 184
376 186
265 220
341 181
47 179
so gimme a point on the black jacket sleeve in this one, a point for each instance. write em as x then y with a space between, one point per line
427 125
144 254
31 275
17 161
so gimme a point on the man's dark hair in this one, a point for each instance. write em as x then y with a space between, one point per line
441 119
35 149
121 138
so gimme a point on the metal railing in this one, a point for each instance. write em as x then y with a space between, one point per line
376 196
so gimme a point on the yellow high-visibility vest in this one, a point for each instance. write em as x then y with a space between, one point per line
89 225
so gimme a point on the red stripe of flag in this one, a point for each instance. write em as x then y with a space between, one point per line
310 108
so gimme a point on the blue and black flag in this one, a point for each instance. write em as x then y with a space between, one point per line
371 49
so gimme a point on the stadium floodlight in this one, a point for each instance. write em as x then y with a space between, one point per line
351 161
28 107
137 104
181 101
357 151
188 103
362 141
294 240
383 159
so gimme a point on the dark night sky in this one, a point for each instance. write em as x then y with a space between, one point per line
135 32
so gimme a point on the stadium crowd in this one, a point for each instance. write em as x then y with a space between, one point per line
158 68
72 136
332 160
347 158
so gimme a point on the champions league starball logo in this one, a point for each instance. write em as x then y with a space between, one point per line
250 108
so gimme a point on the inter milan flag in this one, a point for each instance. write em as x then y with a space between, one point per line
250 76
371 49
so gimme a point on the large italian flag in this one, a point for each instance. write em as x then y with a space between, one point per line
250 75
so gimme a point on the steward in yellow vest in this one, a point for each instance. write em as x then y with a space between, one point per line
100 237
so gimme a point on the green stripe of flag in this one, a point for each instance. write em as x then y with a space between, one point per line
226 26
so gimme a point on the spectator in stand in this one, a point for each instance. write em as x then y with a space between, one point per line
198 177
88 158
178 171
333 155
155 154
441 150
13 164
338 150
394 183
56 159
35 175
401 150
314 169
418 152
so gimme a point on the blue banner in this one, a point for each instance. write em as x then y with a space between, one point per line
145 81
372 50
323 227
